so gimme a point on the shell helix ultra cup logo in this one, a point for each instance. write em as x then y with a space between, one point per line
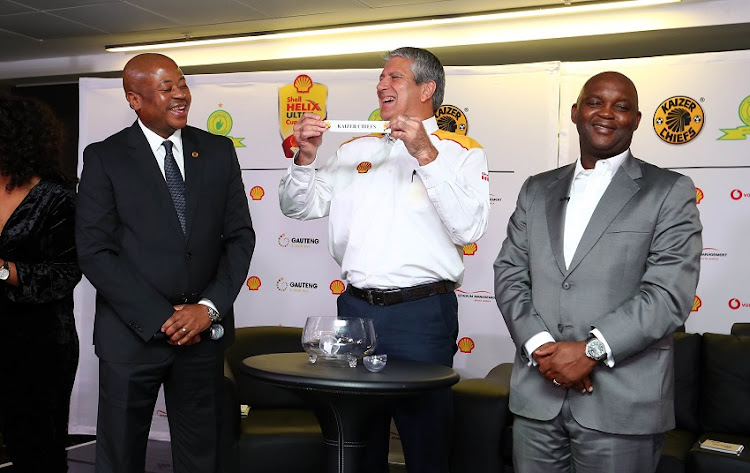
337 287
253 283
302 95
678 120
466 345
220 123
697 303
451 118
257 193
470 249
741 132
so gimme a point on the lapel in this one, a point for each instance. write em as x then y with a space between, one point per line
623 187
194 162
555 203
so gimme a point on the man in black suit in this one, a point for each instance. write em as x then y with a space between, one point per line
167 257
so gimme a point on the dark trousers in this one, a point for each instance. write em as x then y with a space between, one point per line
35 402
127 395
421 330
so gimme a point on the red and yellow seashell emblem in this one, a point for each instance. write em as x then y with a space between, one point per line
698 195
466 344
257 193
470 249
363 167
337 287
303 83
253 283
697 303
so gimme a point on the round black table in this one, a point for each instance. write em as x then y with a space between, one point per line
345 399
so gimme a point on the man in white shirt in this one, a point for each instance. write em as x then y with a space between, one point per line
401 206
599 267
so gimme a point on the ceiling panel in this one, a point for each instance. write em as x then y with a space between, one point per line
117 18
7 8
43 26
202 13
292 8
54 4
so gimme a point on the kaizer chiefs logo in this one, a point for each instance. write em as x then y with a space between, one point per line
678 120
451 118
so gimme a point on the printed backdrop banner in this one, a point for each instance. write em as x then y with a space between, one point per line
511 110
696 118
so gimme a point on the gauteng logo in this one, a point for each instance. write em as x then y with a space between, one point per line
253 283
678 120
451 118
302 95
698 195
470 249
363 167
697 303
281 285
466 344
739 133
337 287
257 193
220 123
283 240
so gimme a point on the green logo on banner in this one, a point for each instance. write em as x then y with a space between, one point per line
220 123
740 132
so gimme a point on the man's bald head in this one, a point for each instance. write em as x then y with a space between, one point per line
141 67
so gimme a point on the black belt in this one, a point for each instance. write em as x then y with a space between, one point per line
395 296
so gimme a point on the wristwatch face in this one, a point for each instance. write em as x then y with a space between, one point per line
595 349
4 271
212 314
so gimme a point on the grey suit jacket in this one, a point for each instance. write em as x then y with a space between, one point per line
633 277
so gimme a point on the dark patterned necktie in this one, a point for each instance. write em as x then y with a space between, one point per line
175 183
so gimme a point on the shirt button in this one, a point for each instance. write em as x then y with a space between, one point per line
566 285
188 255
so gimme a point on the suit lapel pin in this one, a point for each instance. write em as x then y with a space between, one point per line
195 154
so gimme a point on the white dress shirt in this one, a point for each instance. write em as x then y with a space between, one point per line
586 190
395 224
156 143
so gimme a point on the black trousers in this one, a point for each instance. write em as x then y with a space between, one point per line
37 379
421 330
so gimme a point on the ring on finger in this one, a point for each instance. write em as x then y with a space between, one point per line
554 381
184 329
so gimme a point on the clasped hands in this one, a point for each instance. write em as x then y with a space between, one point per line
566 364
308 132
186 324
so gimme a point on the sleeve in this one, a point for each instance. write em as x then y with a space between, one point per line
460 193
304 193
115 278
513 277
57 274
237 245
668 285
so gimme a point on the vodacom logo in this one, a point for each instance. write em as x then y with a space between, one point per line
734 304
736 194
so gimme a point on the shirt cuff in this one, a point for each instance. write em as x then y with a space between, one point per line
208 303
610 360
535 342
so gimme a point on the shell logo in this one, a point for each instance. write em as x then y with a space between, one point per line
257 193
303 83
470 249
697 303
253 283
698 195
363 167
337 287
466 344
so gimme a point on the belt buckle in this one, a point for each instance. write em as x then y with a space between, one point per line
369 297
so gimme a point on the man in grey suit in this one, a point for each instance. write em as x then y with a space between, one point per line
599 267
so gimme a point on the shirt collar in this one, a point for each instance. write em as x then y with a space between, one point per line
155 141
607 166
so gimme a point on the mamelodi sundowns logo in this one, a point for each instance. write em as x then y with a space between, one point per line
337 287
470 249
678 120
302 95
451 118
253 283
466 344
741 132
257 193
697 303
220 123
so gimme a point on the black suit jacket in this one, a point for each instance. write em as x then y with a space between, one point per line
132 248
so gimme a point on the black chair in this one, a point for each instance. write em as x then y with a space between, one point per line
280 433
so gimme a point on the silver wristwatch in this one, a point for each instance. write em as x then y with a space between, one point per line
213 314
4 271
595 348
